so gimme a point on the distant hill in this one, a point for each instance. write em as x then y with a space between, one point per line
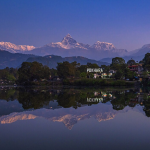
8 59
137 54
15 60
51 60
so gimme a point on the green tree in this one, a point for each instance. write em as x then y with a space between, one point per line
66 69
119 74
89 65
53 72
118 61
83 68
128 74
9 74
146 62
76 66
145 74
106 69
119 65
10 77
83 75
131 62
30 71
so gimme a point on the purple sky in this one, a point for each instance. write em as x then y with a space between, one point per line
125 23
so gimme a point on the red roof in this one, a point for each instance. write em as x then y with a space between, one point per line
133 66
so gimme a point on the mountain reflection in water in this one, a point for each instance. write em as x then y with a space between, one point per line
69 106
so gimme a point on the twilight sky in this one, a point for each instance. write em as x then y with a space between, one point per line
125 23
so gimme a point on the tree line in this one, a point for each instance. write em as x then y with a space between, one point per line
34 71
39 98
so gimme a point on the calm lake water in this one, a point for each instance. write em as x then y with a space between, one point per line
74 119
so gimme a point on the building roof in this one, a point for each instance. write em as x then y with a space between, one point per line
133 66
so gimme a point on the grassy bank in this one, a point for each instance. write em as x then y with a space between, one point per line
82 82
100 82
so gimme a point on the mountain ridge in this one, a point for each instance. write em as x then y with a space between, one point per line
137 54
69 47
66 48
15 60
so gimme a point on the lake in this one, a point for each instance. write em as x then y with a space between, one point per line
74 119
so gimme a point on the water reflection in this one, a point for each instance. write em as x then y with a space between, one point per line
67 116
21 99
53 99
48 114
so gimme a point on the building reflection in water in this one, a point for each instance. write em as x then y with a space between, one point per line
21 103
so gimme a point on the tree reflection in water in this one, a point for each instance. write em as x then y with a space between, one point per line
40 98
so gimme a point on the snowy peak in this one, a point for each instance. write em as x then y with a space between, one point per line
68 40
68 43
14 48
103 46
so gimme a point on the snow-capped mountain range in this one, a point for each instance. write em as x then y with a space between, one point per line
15 48
70 47
69 43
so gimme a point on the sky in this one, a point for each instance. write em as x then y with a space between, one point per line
125 23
